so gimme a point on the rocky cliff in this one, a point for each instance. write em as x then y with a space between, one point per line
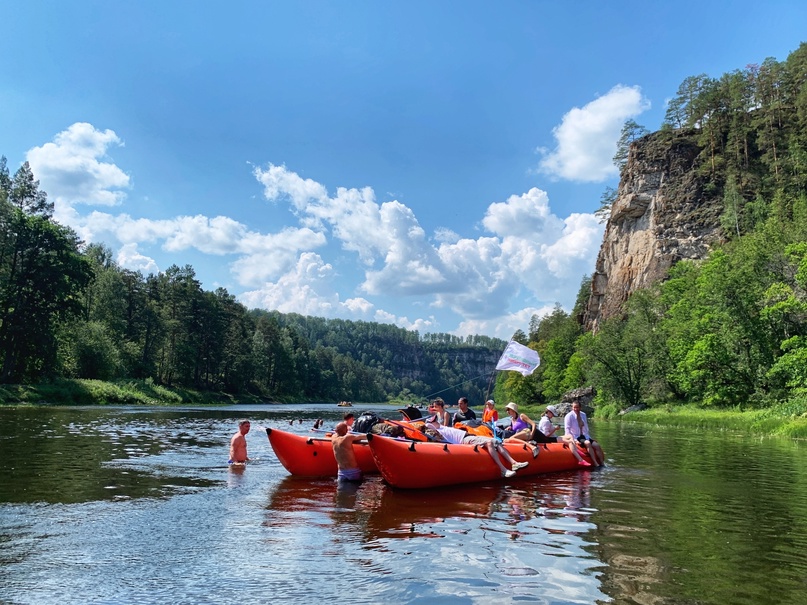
663 212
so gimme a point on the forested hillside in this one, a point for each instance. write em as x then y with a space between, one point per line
729 329
68 310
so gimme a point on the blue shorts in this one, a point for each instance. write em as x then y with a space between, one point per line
350 474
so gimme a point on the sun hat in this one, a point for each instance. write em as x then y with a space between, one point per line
490 401
512 406
552 409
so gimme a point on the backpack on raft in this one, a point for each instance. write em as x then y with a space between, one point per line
365 422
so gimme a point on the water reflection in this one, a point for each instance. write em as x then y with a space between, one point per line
675 518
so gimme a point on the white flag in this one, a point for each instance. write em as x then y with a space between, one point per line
519 358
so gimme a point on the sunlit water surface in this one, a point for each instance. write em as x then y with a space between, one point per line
134 505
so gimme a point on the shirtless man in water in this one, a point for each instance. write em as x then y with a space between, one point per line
238 444
343 452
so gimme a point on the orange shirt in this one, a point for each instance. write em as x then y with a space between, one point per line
490 415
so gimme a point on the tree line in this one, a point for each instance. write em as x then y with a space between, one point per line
731 329
67 310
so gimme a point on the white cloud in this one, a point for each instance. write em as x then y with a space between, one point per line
307 289
527 255
503 326
129 258
587 137
532 249
71 169
279 183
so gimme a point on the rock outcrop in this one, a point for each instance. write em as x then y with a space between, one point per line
664 212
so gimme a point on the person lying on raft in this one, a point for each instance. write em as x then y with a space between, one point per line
522 428
546 434
342 442
452 435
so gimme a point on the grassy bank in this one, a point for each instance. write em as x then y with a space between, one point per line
784 420
129 392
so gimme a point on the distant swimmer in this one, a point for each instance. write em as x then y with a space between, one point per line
238 444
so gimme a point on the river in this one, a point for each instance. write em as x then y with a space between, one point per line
130 505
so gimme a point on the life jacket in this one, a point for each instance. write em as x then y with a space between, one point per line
480 431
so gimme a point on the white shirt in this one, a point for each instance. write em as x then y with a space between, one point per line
572 427
545 426
452 435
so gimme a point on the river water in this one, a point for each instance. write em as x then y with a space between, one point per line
130 505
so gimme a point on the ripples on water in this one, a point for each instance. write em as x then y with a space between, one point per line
128 505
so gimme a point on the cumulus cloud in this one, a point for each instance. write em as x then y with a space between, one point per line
308 289
531 249
527 256
586 137
129 258
72 170
505 325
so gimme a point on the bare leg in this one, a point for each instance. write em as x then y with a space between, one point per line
506 455
599 452
592 453
491 447
535 449
570 441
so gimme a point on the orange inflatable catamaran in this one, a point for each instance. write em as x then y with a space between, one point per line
409 464
313 456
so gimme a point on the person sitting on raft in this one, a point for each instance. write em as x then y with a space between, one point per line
464 413
452 435
490 414
438 407
546 434
342 442
576 424
522 427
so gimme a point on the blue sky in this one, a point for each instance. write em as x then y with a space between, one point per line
430 164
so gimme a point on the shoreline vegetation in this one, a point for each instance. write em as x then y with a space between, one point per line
786 420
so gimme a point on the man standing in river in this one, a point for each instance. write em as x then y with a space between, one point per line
342 443
238 444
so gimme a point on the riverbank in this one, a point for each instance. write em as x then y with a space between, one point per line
129 392
784 420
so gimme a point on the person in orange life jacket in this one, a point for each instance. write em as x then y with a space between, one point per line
490 414
576 424
452 435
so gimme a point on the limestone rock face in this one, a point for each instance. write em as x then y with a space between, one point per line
662 214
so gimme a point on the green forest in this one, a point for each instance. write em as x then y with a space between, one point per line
68 311
729 330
